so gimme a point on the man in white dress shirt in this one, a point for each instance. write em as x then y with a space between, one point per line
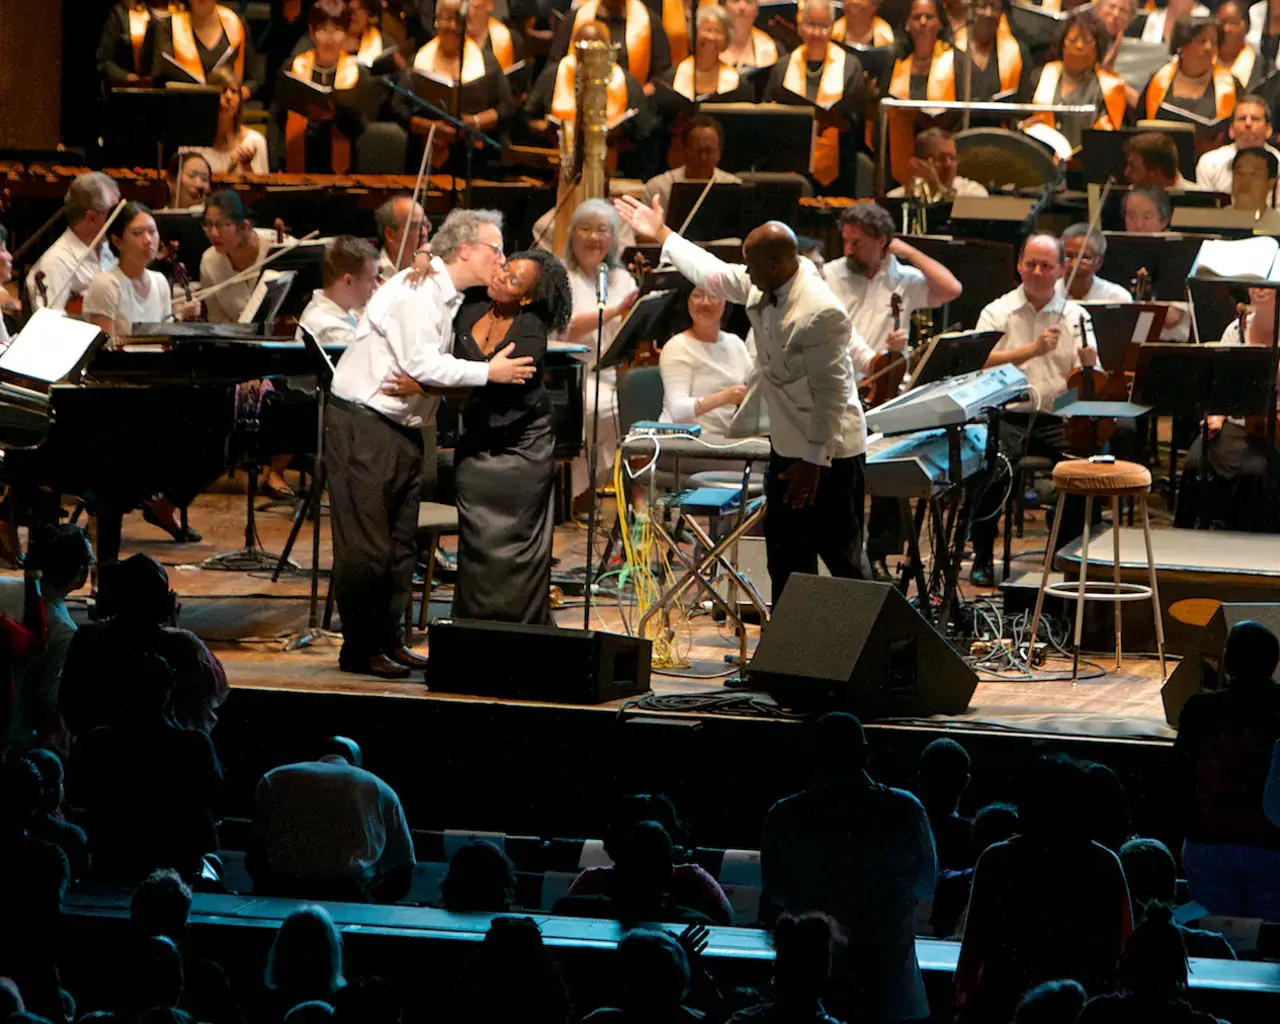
1088 249
374 443
934 166
801 392
1042 337
393 220
350 277
865 279
67 267
703 143
1250 128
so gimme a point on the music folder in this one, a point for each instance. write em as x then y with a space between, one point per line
1204 380
168 119
723 212
876 61
671 102
1035 26
1205 127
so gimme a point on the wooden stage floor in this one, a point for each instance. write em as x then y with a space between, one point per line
246 619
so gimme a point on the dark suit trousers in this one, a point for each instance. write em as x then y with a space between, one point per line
830 528
375 485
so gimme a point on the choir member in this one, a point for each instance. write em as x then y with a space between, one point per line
492 36
364 35
452 56
862 26
642 47
1117 16
1158 22
323 139
831 77
1147 210
63 274
1234 53
1085 250
191 44
393 221
236 150
926 73
931 173
1193 81
1001 66
126 49
749 47
234 246
705 72
1074 75
1250 128
701 144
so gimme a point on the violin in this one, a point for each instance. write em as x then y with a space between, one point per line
647 352
1141 285
42 288
1086 433
887 369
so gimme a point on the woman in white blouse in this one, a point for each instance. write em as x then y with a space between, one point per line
704 371
593 241
129 293
236 149
234 246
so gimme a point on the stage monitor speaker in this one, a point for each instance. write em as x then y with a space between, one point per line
1198 670
543 663
855 646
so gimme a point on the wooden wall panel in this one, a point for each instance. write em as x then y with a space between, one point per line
31 72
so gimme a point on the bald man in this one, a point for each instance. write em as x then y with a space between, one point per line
801 392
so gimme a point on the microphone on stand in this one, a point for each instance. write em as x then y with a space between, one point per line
602 284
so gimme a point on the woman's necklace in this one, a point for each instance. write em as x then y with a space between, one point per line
494 316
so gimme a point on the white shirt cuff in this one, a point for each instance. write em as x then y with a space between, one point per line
817 454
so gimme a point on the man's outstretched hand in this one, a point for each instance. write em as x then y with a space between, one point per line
650 221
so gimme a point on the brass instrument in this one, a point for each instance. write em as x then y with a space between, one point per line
584 143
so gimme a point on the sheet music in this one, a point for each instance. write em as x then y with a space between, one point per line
50 347
1142 330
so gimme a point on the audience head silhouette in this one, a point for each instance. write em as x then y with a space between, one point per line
1052 1002
1106 806
368 1001
643 869
305 961
311 1012
994 823
63 555
1154 964
944 775
838 746
1250 654
137 591
643 807
161 905
49 765
1150 870
343 747
803 947
481 878
654 974
515 977
156 975
150 695
1051 808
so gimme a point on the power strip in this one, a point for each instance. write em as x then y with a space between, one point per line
653 428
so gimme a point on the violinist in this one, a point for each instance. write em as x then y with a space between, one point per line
235 245
323 138
492 36
749 47
126 48
452 56
1253 184
866 279
393 221
1085 251
1147 210
701 144
236 150
63 274
192 44
1233 481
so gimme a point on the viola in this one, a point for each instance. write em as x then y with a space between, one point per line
647 352
887 369
1092 384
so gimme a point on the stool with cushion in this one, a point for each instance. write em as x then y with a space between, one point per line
434 521
1100 481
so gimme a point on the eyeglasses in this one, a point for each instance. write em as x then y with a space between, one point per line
594 229
492 245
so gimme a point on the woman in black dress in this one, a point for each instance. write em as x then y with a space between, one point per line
504 462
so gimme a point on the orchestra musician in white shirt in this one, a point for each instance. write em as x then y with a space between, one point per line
393 220
61 277
1087 249
1250 128
933 170
349 275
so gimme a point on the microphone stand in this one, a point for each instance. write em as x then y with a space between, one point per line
473 134
593 460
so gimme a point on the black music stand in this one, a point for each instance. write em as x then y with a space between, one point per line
986 270
764 136
148 125
1167 258
1102 154
312 504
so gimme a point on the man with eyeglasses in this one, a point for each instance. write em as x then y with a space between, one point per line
1087 249
374 440
1250 129
1046 335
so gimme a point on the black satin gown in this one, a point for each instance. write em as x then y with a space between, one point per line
504 465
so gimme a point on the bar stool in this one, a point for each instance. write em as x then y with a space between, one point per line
1100 480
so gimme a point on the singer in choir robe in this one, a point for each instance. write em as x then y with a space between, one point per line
492 36
486 101
364 39
191 44
1001 66
749 47
1073 74
1193 80
704 72
862 26
127 46
1234 53
926 73
640 36
323 139
830 77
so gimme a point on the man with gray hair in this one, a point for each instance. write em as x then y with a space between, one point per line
1088 249
67 267
393 221
374 439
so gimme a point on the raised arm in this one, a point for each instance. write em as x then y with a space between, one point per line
943 285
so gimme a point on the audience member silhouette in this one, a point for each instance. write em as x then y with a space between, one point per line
154 975
1222 756
149 787
863 853
63 555
305 962
368 1001
481 878
1051 1002
639 887
34 875
140 615
1153 978
652 978
943 779
803 948
1152 874
1048 903
993 824
10 998
1106 806
513 978
328 829
691 885
49 824
312 1012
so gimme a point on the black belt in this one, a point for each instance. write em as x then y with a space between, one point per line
356 408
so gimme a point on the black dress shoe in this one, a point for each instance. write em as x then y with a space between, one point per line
379 665
880 571
983 574
407 658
